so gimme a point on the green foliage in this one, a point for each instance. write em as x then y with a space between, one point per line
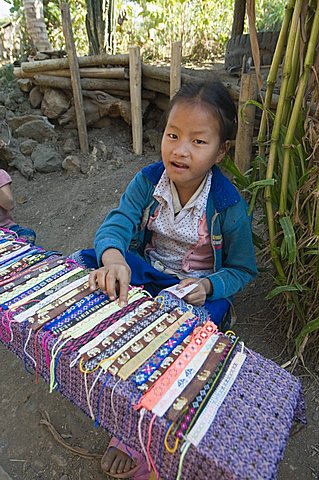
52 16
269 15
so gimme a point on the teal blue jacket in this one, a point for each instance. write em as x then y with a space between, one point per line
125 228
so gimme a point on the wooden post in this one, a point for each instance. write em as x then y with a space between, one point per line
246 118
75 77
136 98
176 68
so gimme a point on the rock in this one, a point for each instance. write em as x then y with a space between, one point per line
25 84
55 102
17 121
10 104
72 163
4 475
64 477
27 147
153 137
38 130
59 461
23 164
70 145
3 112
2 98
35 97
46 159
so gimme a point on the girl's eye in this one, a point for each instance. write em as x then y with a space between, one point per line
172 135
199 142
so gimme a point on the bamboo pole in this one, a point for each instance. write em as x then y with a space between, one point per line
62 63
75 77
85 72
136 98
246 119
86 83
272 76
175 70
308 65
275 138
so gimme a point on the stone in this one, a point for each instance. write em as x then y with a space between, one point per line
55 102
154 138
23 164
4 475
38 130
70 145
17 121
35 97
2 98
27 147
3 112
46 159
72 163
25 84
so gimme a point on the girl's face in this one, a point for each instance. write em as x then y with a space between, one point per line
190 146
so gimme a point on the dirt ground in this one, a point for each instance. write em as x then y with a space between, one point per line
65 210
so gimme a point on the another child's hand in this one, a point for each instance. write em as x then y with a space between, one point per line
115 275
197 296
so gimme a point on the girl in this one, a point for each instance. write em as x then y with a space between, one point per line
6 207
179 221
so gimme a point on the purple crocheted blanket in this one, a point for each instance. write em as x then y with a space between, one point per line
246 440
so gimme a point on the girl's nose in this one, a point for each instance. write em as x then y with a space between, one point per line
181 150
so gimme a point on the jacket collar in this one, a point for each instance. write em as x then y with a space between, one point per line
222 192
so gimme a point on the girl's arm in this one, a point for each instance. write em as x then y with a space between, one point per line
122 224
6 198
239 260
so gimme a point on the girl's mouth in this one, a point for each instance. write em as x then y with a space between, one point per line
180 166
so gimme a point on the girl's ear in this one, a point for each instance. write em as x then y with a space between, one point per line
222 151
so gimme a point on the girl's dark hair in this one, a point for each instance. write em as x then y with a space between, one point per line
215 96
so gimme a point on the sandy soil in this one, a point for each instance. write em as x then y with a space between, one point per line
65 210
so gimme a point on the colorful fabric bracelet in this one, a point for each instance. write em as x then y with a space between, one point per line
143 374
117 346
163 384
206 371
87 337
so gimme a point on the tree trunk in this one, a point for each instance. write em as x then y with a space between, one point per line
100 25
37 30
238 18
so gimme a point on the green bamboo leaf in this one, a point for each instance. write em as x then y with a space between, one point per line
312 252
261 183
230 167
283 289
290 238
311 326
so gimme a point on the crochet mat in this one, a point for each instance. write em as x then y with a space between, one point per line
246 440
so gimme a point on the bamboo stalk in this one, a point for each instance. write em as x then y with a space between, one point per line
294 77
89 72
275 137
272 75
62 63
308 64
86 83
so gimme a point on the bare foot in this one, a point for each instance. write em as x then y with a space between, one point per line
117 461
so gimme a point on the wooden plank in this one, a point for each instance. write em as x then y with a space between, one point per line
136 98
246 118
75 77
176 68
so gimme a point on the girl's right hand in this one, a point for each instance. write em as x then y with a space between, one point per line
115 275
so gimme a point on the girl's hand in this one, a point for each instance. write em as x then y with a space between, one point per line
115 275
197 296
